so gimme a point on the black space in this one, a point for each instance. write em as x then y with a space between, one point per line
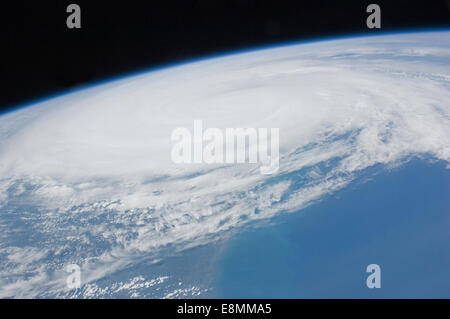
43 57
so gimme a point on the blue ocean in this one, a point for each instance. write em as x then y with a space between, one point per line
398 219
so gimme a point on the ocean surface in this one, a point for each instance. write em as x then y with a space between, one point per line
398 219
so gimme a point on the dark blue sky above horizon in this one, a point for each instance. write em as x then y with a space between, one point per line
43 57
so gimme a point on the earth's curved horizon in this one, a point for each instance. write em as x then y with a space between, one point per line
86 178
